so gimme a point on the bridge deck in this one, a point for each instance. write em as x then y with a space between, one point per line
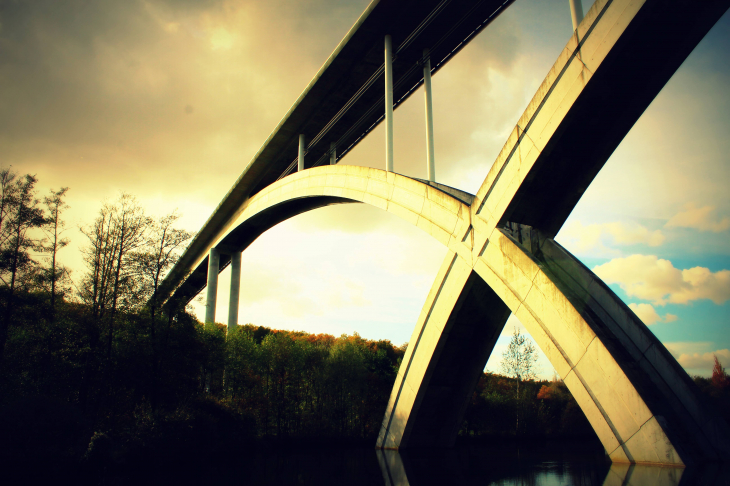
345 99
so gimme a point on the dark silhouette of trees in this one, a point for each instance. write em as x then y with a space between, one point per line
109 371
119 231
19 215
158 254
53 229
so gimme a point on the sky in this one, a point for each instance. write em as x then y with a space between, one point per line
169 100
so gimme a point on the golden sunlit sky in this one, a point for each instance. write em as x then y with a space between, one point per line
169 100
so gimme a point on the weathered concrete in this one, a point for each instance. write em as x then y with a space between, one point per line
642 405
235 290
501 257
429 207
590 99
639 401
213 265
428 101
450 346
300 152
388 87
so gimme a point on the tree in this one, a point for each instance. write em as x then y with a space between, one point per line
720 378
158 255
22 214
519 361
53 229
155 257
119 231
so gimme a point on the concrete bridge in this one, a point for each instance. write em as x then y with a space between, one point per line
501 256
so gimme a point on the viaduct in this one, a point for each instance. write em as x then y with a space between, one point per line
501 257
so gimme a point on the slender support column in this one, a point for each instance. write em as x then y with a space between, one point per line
429 116
300 157
214 259
235 291
576 13
333 153
388 104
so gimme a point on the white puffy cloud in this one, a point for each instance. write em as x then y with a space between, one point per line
648 314
702 219
692 356
593 238
648 277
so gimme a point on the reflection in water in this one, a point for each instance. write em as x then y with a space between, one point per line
635 475
491 466
487 467
551 464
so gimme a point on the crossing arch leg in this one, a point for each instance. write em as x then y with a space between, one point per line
455 335
639 401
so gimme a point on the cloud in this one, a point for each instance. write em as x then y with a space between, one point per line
698 357
699 218
704 360
648 314
648 277
596 238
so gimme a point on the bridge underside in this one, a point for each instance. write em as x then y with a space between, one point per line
642 405
502 257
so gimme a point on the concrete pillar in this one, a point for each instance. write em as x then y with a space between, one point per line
333 153
235 291
576 13
300 157
388 104
431 163
214 259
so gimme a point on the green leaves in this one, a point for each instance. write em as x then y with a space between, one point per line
519 360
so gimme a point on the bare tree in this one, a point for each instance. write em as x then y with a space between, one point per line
100 256
119 231
519 360
55 205
159 254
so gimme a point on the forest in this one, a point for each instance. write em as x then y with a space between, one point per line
96 374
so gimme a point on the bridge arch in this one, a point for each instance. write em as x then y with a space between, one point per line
642 405
439 210
502 257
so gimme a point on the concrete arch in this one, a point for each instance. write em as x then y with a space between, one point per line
501 256
641 404
594 341
441 211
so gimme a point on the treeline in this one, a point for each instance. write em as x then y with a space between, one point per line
96 373
535 409
508 408
304 385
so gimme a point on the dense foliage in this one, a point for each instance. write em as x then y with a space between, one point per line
96 371
501 408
